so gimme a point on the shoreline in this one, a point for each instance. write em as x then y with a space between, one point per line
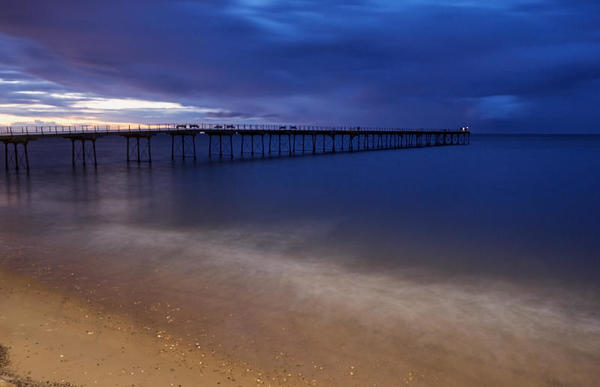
56 338
326 325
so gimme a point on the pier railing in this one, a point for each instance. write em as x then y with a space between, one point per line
120 129
262 140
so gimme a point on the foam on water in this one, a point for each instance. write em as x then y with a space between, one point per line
257 293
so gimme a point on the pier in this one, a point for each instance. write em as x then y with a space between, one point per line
224 140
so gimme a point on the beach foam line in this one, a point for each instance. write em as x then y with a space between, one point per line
282 308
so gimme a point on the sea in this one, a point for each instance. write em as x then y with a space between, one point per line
458 265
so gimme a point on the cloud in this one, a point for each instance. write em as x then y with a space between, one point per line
378 62
500 107
57 103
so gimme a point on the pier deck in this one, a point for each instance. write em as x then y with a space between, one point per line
224 140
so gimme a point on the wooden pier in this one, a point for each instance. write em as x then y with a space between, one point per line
224 140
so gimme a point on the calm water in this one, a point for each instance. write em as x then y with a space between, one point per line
419 259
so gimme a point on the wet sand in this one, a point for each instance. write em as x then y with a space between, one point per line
57 339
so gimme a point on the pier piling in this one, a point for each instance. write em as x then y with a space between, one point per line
183 140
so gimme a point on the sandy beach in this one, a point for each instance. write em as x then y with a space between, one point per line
52 338
417 335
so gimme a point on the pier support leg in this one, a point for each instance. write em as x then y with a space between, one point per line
270 141
172 149
194 145
83 151
16 156
94 149
183 147
26 157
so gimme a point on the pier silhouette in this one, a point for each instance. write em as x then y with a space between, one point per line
224 140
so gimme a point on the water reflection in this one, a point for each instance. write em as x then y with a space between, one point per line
17 189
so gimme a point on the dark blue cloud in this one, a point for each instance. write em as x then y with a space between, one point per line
498 65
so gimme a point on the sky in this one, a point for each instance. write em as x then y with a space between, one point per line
495 65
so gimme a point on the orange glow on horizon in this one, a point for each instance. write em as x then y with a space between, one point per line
18 121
